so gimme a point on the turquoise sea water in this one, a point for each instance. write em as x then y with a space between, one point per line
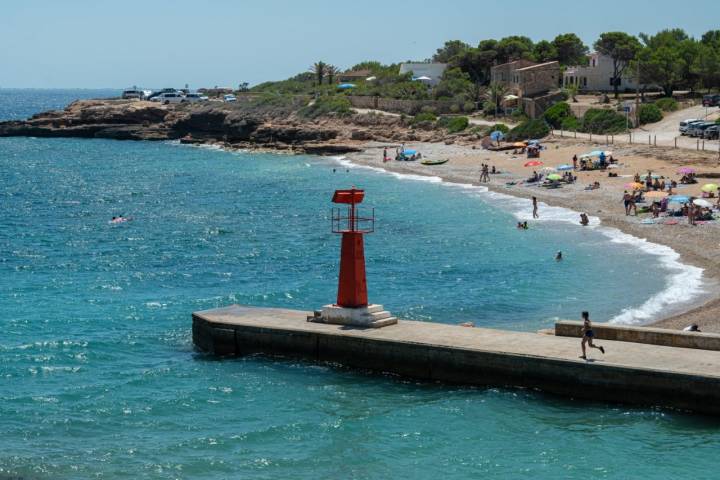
100 380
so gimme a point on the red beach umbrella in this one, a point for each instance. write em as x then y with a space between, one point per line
533 163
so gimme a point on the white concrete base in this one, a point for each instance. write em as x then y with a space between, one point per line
372 316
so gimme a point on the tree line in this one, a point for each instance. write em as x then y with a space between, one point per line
670 59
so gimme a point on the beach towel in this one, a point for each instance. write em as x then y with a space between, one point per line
671 222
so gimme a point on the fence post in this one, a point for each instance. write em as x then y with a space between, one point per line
630 137
591 136
703 145
561 133
606 139
575 133
649 142
612 139
697 145
675 142
655 140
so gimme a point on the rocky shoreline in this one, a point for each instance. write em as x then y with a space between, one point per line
233 125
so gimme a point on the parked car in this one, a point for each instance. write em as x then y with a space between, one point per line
154 95
195 97
698 129
685 124
133 93
229 98
166 98
712 133
711 100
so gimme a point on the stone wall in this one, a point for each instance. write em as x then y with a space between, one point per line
408 107
539 78
653 336
534 107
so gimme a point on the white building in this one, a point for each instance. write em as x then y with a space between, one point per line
430 73
597 76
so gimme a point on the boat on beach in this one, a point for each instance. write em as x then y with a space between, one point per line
434 162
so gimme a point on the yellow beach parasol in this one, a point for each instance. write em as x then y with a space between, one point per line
634 186
710 187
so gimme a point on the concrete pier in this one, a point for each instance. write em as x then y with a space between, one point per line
635 373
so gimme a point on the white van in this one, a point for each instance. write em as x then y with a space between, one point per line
685 124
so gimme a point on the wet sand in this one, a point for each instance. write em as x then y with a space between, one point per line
697 245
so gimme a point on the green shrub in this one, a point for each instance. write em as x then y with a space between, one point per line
468 107
667 104
650 113
428 109
557 113
327 106
489 108
499 127
570 124
424 117
603 121
529 129
454 124
454 108
717 121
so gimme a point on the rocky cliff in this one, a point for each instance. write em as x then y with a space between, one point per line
235 125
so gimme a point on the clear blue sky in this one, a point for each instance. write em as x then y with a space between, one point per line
156 43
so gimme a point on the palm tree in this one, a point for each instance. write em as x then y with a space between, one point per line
331 71
572 90
320 70
495 94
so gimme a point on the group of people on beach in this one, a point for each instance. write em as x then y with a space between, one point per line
485 172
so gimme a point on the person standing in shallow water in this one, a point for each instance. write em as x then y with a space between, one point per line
535 208
587 336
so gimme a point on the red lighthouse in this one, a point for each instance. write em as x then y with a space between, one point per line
352 284
352 307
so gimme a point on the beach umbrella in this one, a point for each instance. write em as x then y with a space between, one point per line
596 153
702 203
371 79
519 144
710 187
686 170
554 176
345 86
634 186
547 170
564 167
656 194
533 163
679 198
497 135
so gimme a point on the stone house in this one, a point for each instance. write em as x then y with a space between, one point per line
525 78
350 76
597 75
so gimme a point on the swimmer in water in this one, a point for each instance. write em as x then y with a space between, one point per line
558 256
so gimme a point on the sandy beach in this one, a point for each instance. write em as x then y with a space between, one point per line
697 245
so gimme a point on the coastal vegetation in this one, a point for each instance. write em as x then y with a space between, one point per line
529 129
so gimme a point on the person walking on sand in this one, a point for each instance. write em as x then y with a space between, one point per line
535 208
385 157
627 200
587 336
574 162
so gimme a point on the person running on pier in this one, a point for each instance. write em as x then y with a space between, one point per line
587 336
535 208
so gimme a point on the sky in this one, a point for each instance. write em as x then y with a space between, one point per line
204 43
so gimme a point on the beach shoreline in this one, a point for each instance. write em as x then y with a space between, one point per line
463 168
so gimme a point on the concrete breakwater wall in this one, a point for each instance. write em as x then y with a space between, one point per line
653 336
629 373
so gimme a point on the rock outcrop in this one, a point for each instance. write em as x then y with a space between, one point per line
230 124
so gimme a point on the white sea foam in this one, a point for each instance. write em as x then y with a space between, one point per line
683 284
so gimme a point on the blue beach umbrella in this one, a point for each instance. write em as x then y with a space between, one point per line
497 135
345 86
679 199
409 152
564 167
